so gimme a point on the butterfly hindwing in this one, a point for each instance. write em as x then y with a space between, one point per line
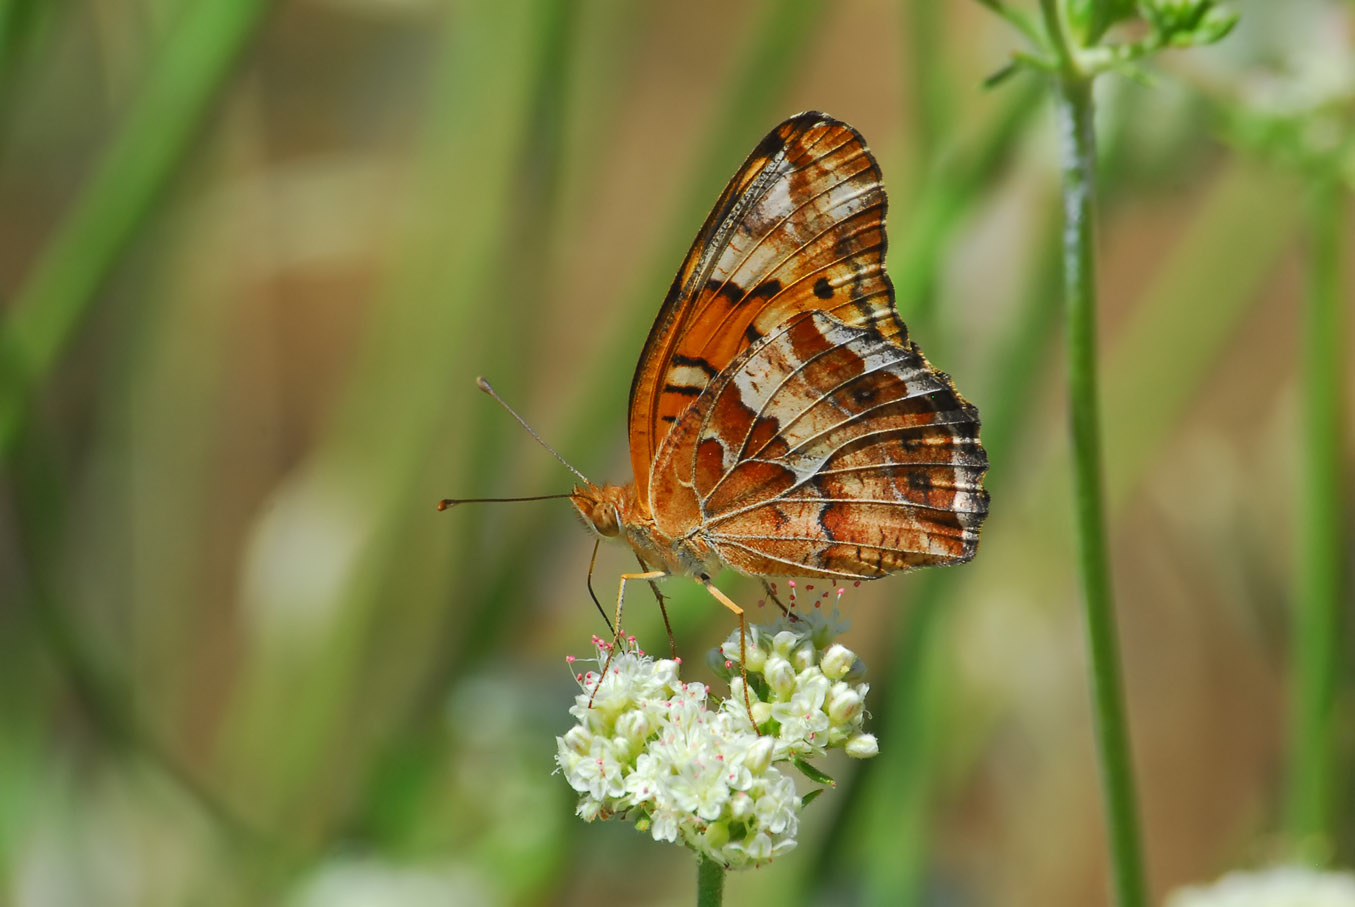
827 449
799 228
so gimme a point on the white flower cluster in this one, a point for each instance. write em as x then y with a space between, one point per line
808 687
661 753
1279 886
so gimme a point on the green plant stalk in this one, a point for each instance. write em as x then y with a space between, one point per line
1317 625
710 883
927 86
193 63
1077 139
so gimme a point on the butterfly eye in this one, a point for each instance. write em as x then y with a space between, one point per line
605 519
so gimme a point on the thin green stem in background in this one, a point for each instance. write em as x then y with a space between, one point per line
1312 793
194 61
710 883
1078 147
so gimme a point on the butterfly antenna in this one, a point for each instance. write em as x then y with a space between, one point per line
446 503
484 386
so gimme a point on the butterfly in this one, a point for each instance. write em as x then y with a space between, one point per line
781 422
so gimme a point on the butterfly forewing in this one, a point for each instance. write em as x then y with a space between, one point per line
799 228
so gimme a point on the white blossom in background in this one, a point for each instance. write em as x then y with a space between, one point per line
691 769
1280 886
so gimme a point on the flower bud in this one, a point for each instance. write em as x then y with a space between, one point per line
783 642
757 659
837 661
578 740
780 675
741 806
633 726
844 705
666 671
863 746
759 755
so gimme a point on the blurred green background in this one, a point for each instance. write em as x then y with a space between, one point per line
252 257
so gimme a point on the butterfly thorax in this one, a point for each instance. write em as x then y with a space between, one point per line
615 512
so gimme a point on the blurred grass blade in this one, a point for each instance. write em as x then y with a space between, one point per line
1315 669
192 64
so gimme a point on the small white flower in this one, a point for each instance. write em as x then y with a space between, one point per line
1279 886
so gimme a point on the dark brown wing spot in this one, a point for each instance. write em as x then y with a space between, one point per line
695 362
682 389
727 290
823 289
863 395
765 290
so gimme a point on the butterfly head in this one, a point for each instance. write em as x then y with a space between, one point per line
601 507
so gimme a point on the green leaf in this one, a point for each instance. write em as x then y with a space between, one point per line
811 796
813 774
1002 75
1091 19
1214 26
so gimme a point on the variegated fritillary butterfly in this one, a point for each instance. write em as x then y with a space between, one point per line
781 421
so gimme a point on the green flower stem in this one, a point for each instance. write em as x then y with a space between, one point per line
1078 145
1317 606
710 883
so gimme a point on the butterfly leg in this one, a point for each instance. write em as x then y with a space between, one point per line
654 587
593 595
743 645
616 638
